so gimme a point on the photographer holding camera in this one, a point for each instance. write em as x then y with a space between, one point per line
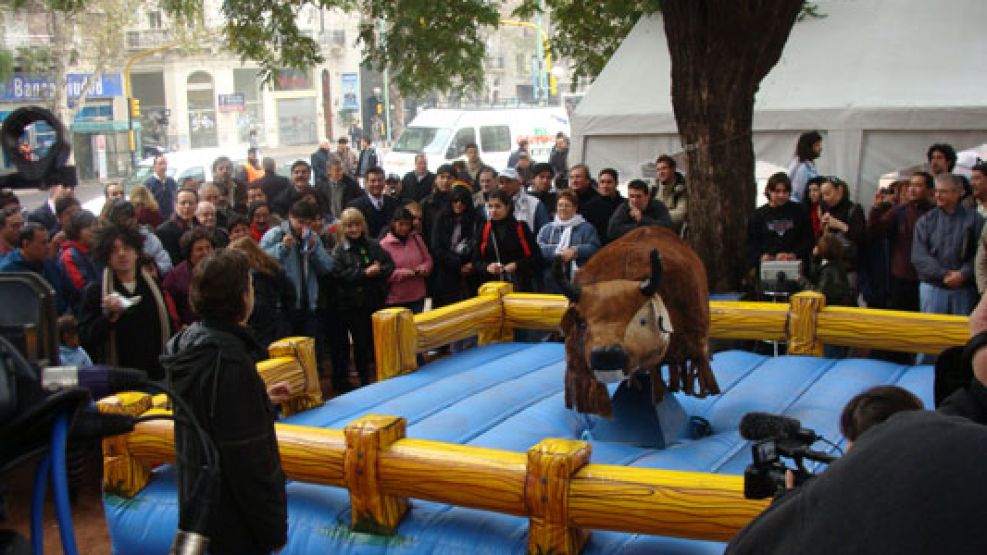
914 484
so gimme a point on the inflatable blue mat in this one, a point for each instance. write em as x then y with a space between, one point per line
510 396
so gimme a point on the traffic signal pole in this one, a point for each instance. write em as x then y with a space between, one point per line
133 104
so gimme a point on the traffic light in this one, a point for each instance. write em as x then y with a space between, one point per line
135 107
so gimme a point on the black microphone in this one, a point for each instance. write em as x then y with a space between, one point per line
756 426
99 380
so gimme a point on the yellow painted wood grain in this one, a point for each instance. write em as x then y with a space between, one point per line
395 342
661 502
894 330
534 311
551 464
457 321
489 479
747 320
303 350
803 319
373 509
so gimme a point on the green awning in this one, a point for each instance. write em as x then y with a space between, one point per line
100 127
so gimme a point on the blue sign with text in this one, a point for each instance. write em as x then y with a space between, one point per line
33 87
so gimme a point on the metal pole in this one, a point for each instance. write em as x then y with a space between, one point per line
543 47
132 138
387 95
540 49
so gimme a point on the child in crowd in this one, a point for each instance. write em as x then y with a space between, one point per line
70 352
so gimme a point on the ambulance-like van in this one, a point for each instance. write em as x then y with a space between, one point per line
442 135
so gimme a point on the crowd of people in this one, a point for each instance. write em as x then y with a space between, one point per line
181 270
337 240
918 247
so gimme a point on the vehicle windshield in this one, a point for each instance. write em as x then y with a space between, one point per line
430 140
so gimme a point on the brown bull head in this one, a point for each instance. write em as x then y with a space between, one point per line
613 329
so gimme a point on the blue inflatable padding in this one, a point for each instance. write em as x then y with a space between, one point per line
510 396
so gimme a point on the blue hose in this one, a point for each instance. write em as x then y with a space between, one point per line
60 484
38 505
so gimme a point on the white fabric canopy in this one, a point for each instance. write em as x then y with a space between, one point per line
880 79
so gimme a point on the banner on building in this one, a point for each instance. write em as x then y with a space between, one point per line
22 87
350 88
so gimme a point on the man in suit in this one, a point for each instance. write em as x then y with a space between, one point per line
377 207
338 188
61 184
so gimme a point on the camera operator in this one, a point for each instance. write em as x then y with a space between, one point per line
914 484
211 364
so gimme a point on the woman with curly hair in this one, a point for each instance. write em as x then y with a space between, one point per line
123 319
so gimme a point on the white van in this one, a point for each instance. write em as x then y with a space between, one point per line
442 135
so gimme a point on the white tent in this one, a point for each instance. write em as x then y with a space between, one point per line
880 79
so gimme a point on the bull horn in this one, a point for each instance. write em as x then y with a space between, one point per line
568 289
650 286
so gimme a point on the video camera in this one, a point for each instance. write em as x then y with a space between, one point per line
774 437
44 406
40 162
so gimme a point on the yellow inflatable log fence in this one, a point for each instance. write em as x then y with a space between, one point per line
806 324
553 484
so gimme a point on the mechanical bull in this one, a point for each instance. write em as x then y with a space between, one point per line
640 301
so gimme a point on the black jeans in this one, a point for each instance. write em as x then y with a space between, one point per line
352 323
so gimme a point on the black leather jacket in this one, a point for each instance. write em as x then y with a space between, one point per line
211 365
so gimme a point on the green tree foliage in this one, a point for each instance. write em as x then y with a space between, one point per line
428 45
587 34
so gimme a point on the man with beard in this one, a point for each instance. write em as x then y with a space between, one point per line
233 192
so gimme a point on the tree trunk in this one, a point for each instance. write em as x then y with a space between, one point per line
720 52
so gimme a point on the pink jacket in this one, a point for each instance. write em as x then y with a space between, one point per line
412 264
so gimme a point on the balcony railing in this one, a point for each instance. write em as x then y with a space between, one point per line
147 38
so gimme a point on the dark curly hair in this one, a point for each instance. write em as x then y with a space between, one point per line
193 236
107 234
218 286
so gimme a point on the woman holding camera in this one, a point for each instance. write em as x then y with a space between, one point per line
506 250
